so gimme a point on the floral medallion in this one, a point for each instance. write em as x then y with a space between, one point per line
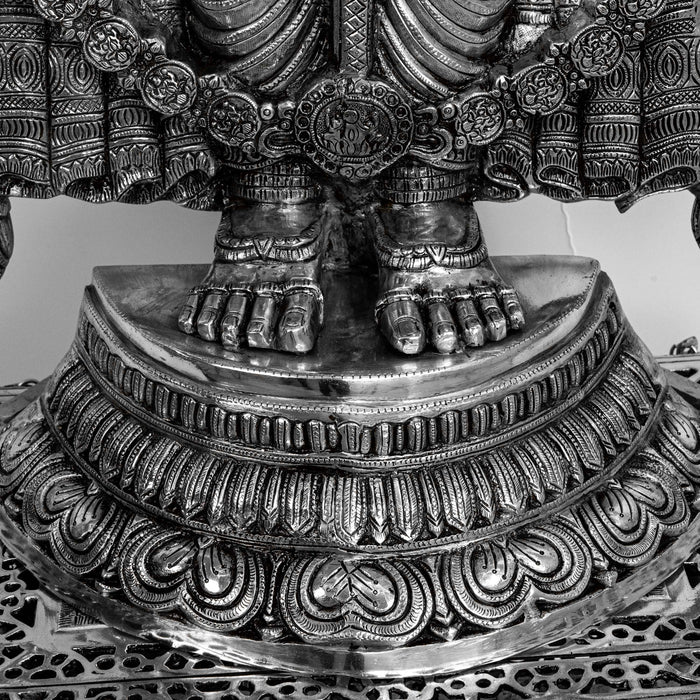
354 124
353 127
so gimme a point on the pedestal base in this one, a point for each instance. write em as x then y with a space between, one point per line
52 651
352 512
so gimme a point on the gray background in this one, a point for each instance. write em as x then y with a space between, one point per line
649 253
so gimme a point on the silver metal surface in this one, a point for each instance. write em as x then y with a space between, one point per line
496 509
352 369
333 132
649 651
234 460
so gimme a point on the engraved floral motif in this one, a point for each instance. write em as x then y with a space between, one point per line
481 118
336 600
60 10
361 132
234 120
112 44
596 51
540 89
489 584
169 88
641 9
353 127
216 586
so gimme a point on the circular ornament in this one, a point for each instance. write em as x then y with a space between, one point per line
111 44
60 10
540 89
233 119
353 127
597 50
169 88
481 118
641 10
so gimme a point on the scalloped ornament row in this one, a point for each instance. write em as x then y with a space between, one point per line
411 437
264 502
320 598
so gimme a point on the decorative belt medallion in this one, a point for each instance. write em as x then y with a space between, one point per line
353 127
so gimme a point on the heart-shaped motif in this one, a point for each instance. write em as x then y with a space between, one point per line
345 584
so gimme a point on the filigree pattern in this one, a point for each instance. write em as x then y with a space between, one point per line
434 50
223 584
592 146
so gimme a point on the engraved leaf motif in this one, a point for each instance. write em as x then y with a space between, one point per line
271 505
457 497
378 520
434 516
405 506
172 557
343 514
299 514
346 584
214 571
85 516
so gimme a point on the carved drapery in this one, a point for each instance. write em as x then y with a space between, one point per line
591 146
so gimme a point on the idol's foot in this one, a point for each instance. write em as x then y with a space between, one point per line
284 316
267 293
468 307
443 295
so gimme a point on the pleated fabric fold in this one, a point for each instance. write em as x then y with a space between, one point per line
66 128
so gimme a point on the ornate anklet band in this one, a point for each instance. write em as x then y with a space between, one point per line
425 255
292 249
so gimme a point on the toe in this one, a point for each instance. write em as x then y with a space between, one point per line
494 320
209 314
234 318
299 322
441 328
469 324
263 319
400 322
513 308
188 314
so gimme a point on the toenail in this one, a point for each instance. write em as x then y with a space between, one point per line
407 328
293 319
